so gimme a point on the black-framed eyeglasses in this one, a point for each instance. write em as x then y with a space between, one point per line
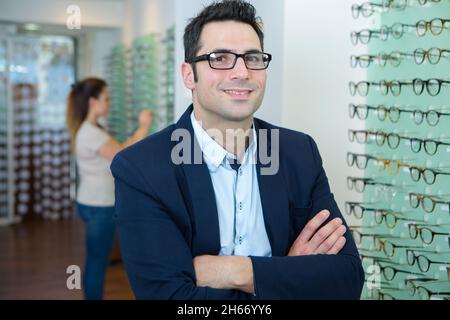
393 113
361 160
428 202
381 294
225 60
426 234
433 55
432 116
430 146
433 86
393 139
429 175
423 262
424 2
389 272
361 110
394 86
424 293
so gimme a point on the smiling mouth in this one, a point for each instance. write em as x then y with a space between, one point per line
234 92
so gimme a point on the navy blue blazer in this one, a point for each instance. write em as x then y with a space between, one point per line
166 215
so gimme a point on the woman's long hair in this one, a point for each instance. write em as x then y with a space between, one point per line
78 104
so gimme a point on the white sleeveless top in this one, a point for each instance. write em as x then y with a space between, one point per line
96 183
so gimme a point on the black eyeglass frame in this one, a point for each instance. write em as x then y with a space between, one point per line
267 57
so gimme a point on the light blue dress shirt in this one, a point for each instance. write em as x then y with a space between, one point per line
241 220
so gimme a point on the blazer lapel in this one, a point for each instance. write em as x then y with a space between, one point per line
202 206
274 200
202 202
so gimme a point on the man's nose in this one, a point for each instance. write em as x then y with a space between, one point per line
240 70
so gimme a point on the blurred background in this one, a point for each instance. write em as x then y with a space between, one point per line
369 81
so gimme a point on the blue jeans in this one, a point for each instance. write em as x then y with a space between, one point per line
100 236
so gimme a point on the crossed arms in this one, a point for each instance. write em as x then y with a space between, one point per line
320 263
236 272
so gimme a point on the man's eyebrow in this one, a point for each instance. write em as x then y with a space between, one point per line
231 51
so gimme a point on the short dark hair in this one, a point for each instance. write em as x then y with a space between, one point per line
226 10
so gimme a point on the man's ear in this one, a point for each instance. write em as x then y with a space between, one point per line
188 76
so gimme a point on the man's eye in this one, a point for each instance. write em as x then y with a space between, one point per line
220 57
253 58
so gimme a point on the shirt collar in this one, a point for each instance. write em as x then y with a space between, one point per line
214 154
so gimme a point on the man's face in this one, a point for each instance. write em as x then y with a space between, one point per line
232 95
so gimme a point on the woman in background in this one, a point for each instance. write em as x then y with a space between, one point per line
94 149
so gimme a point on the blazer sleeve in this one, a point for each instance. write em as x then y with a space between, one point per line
157 257
320 276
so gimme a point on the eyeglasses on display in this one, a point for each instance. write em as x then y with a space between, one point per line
422 261
419 56
393 140
359 184
360 160
428 202
435 26
429 175
389 272
388 246
425 233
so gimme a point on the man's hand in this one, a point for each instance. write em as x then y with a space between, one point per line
327 240
224 272
235 272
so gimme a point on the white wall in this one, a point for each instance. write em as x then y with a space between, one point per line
105 13
317 50
142 17
272 14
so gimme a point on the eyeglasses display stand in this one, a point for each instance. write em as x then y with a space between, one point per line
5 215
141 77
35 73
403 225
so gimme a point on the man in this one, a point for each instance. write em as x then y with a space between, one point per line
228 224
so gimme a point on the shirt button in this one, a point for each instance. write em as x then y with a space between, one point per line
240 172
240 206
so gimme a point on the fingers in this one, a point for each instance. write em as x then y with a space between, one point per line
311 227
324 232
340 243
329 243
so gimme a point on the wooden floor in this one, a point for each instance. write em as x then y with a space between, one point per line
35 254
